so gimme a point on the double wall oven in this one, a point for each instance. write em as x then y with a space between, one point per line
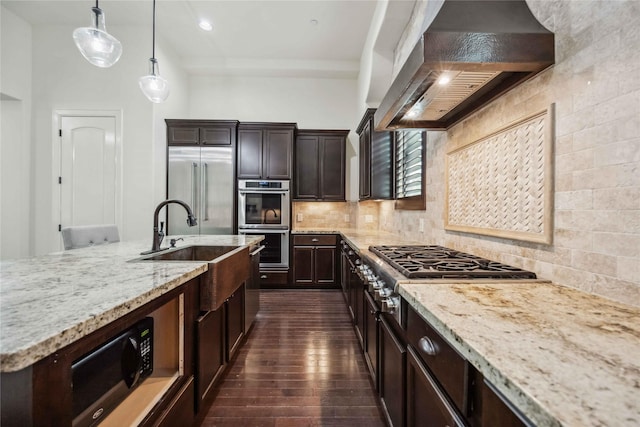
264 209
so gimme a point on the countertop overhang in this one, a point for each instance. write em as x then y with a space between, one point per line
50 301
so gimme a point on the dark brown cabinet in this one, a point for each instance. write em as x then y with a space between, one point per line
376 160
201 132
265 150
319 165
234 310
371 336
210 349
392 366
315 260
426 403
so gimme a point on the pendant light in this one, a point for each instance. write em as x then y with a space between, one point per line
153 86
96 45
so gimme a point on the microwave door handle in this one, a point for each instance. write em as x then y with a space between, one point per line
131 361
205 191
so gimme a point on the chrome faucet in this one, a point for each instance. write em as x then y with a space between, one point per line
158 234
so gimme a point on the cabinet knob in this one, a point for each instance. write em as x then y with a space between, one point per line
314 240
428 346
263 276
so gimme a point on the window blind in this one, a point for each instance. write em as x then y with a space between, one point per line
409 163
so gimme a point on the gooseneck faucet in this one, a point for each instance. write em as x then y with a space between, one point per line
158 234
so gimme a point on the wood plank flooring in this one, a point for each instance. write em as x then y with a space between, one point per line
300 366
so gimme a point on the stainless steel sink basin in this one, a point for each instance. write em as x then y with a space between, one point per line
227 269
191 253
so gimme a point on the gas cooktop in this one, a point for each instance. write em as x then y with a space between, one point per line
438 262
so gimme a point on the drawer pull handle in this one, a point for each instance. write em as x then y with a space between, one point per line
264 276
314 240
427 346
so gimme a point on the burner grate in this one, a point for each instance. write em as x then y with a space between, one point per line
439 262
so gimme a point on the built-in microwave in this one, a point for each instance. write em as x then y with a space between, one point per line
106 375
263 204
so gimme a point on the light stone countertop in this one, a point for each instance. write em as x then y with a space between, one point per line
562 356
50 301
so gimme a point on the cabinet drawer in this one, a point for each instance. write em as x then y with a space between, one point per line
314 239
274 277
449 368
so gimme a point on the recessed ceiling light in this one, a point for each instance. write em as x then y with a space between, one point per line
205 25
313 22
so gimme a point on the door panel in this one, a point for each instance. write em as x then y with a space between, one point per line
217 190
89 171
184 172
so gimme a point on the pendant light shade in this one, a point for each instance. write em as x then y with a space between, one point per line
96 45
154 87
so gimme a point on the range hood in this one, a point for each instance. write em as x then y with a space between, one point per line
482 48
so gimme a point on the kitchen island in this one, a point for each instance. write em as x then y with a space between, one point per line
560 356
52 303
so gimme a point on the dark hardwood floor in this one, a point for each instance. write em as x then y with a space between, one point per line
300 366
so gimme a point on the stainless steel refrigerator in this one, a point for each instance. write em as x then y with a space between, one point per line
203 178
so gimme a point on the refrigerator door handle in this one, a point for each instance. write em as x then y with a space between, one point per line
205 191
194 186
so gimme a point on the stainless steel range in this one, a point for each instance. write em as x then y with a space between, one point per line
426 263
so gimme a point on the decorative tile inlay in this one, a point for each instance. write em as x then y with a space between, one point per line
501 185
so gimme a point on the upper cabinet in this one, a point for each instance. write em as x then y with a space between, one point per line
265 150
201 132
376 160
320 165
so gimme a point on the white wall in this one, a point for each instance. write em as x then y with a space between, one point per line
63 80
15 136
313 103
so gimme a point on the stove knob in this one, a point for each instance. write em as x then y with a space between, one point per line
350 253
357 262
389 305
382 293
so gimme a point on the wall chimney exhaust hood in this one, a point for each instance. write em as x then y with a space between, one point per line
472 52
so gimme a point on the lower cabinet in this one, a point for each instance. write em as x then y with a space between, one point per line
426 403
315 260
180 410
234 309
371 338
392 367
210 351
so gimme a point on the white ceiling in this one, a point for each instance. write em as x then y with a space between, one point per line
249 36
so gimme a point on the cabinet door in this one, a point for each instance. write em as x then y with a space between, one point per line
332 173
371 336
250 153
306 185
303 260
325 268
215 136
210 348
392 367
382 164
180 411
183 135
234 308
278 148
426 403
365 162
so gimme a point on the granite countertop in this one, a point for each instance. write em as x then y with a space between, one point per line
562 356
50 301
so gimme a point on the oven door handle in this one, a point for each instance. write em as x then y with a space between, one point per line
257 251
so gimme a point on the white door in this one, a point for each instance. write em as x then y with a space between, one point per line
89 170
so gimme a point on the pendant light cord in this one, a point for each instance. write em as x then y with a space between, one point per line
153 42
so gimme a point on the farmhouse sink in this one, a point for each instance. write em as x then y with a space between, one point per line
227 268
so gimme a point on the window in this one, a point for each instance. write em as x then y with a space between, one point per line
410 161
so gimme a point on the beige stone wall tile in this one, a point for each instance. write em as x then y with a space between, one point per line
582 199
618 152
628 268
619 244
617 198
595 263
